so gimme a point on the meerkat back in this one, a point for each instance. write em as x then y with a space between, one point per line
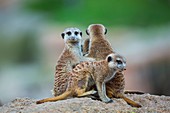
99 47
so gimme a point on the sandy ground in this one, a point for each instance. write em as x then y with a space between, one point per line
150 103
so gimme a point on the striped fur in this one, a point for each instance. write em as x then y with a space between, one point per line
99 48
69 58
87 74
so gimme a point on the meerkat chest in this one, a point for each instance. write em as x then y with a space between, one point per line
72 56
110 75
75 60
76 52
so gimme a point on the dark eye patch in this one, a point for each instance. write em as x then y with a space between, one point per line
119 61
68 33
76 33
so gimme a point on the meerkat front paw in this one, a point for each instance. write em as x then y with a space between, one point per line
108 101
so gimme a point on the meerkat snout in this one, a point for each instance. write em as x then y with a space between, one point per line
72 38
121 63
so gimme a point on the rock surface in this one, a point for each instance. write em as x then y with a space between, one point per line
150 103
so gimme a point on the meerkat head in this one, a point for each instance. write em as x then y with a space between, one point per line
72 35
116 61
95 29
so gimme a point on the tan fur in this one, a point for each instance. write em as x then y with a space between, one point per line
87 74
86 46
99 48
69 58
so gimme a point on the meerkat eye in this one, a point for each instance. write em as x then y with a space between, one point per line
119 61
109 59
68 33
76 33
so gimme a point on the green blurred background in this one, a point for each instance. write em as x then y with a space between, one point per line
30 41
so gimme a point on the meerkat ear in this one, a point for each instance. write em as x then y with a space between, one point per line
62 35
109 58
81 34
87 32
105 31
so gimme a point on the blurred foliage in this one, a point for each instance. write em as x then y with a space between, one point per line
110 12
21 49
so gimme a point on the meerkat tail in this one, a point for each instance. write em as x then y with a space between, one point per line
91 92
52 99
133 92
131 102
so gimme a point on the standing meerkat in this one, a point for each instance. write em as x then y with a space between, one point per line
99 48
87 74
69 58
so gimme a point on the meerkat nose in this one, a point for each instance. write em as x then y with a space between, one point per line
72 38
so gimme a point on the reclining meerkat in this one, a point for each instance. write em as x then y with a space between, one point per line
87 74
69 58
99 48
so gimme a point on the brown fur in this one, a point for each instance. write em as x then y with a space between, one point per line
87 74
99 48
86 46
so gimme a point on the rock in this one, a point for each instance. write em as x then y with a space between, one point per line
150 103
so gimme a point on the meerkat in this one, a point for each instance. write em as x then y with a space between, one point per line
87 74
69 58
99 48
